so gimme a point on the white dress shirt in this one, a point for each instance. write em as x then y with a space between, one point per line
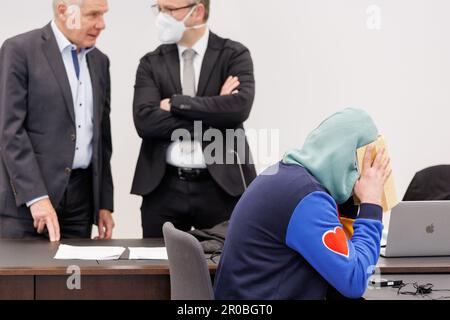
190 154
83 101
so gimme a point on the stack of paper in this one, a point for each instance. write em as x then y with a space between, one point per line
148 254
66 252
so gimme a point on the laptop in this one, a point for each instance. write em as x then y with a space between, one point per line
419 229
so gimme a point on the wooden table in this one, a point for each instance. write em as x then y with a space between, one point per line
427 265
439 282
28 271
422 270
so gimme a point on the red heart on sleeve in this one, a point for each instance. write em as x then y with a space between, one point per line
336 241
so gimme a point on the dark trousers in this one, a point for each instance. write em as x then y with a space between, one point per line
75 213
198 203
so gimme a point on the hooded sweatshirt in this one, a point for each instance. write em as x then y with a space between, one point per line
285 239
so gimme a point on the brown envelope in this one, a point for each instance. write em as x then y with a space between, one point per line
390 199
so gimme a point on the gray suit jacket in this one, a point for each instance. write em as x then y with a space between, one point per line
37 124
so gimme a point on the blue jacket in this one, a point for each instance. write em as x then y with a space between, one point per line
285 241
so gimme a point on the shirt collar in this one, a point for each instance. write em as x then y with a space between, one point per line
199 47
63 42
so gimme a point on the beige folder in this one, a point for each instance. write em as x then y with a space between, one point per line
390 199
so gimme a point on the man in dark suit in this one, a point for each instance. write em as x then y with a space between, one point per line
55 139
194 76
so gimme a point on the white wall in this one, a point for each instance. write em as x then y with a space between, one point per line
312 58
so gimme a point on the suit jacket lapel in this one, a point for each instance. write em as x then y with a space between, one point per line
56 63
172 61
209 62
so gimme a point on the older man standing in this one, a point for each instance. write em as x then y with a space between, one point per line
55 139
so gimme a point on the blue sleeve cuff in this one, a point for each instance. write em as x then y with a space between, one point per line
370 211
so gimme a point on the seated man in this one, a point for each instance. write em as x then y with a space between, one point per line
285 239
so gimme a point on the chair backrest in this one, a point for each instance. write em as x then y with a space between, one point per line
431 184
189 275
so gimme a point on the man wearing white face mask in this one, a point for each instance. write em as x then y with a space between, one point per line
193 76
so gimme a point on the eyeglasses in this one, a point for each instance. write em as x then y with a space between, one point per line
156 9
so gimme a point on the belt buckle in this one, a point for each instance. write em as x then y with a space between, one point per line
187 174
181 174
184 173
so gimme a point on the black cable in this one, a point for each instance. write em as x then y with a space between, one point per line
423 290
214 255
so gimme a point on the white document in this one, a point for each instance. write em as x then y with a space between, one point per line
66 252
148 254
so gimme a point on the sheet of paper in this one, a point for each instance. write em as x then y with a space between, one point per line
66 252
148 254
390 199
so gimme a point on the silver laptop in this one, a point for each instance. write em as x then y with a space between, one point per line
419 229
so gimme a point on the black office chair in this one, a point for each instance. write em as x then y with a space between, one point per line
430 184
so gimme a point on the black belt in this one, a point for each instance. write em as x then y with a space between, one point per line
75 173
189 174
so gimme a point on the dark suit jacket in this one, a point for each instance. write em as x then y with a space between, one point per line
37 124
158 78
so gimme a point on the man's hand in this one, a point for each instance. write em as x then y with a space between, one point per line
105 225
165 105
44 215
230 86
369 188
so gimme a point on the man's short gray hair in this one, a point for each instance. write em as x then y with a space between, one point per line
206 4
66 2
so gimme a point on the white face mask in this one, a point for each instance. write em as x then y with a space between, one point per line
170 30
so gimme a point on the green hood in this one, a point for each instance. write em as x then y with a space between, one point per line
329 152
